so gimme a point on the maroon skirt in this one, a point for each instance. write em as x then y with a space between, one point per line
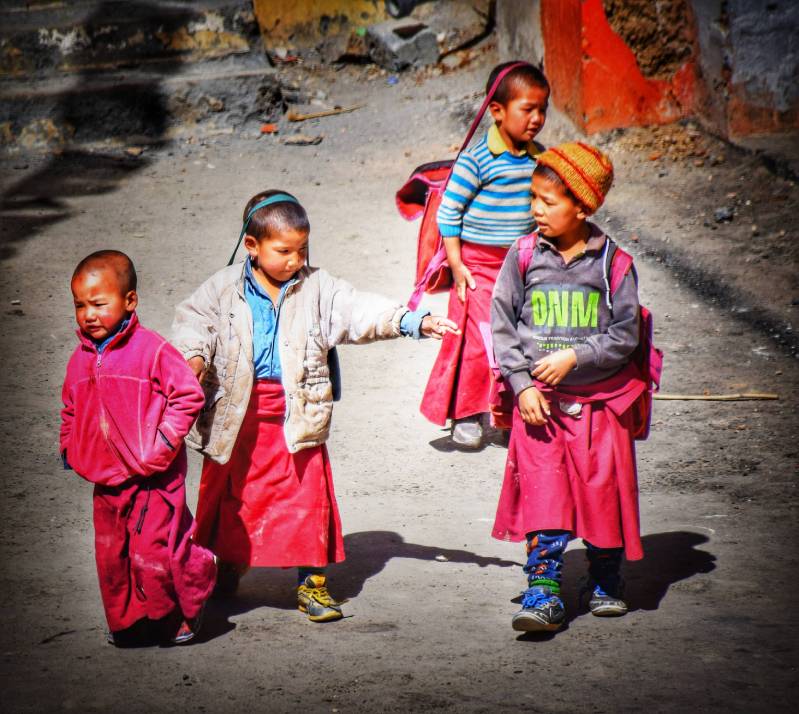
266 506
576 474
460 382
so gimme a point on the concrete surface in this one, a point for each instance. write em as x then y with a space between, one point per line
713 620
398 44
749 64
519 31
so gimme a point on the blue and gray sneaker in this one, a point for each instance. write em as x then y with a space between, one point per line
606 602
542 611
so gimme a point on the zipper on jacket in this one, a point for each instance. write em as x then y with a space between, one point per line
139 526
277 325
143 512
274 338
166 441
106 417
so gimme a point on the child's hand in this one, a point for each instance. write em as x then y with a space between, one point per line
533 407
436 327
462 279
554 367
197 365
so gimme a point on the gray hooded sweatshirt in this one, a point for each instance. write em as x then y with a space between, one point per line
558 305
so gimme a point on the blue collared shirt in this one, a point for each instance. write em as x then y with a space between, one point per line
102 344
265 316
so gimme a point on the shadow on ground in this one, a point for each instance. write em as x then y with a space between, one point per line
41 198
668 559
368 553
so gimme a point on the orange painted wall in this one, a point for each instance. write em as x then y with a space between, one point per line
561 28
595 76
745 119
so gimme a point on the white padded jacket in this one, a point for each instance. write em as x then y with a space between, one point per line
318 313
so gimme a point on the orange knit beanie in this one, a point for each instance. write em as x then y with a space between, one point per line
583 168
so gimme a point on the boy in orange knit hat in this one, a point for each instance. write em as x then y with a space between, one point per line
563 343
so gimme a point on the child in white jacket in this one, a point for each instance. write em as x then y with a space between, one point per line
258 335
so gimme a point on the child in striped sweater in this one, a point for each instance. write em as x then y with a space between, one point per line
486 206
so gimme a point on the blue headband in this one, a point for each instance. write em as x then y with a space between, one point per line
277 198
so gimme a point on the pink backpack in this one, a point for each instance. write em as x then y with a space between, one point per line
647 358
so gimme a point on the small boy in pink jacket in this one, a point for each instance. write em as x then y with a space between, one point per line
129 401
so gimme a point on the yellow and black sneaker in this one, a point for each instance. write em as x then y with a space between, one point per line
314 600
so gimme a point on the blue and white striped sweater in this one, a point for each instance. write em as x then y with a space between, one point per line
487 199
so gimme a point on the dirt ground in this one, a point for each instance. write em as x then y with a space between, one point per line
713 626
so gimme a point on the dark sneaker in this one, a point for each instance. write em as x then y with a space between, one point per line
468 432
542 611
189 627
607 604
228 576
141 633
184 634
314 600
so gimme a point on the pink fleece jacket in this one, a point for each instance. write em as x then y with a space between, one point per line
127 410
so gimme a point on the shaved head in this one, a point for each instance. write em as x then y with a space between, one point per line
113 261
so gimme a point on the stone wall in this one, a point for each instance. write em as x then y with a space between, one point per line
734 64
749 65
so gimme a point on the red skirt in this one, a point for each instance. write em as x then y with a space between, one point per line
147 563
460 383
266 506
575 475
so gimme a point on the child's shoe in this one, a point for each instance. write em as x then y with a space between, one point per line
606 602
228 576
189 627
141 633
542 611
605 582
314 600
468 432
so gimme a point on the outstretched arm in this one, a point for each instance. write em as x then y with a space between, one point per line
350 316
420 323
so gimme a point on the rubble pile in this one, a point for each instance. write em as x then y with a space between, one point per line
673 142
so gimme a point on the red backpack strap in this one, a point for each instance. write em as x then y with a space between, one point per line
482 110
489 98
526 246
621 264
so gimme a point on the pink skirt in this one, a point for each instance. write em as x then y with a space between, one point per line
266 506
460 382
575 475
